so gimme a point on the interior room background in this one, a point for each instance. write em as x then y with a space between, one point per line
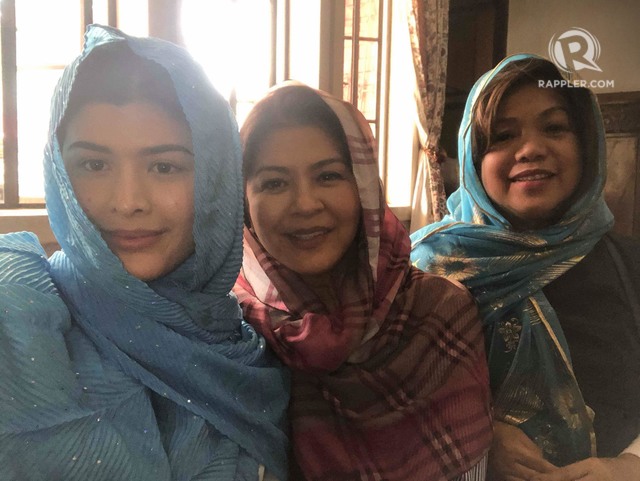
407 65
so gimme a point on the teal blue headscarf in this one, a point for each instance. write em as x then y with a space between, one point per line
105 377
530 365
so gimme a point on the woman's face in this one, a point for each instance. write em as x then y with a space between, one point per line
303 200
132 170
533 166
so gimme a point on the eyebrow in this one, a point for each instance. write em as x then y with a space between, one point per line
544 113
318 165
156 149
83 144
554 109
161 149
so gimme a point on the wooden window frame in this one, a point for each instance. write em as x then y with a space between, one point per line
10 93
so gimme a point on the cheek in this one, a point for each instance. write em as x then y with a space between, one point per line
493 174
351 210
89 200
263 217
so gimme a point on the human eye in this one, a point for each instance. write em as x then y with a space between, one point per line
166 168
503 136
272 185
557 128
330 176
93 165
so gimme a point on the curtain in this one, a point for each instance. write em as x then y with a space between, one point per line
428 32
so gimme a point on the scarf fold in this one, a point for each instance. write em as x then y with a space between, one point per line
529 362
392 384
139 381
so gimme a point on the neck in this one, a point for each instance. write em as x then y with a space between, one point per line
323 287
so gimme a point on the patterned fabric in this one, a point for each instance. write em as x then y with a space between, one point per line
392 385
106 377
428 32
531 375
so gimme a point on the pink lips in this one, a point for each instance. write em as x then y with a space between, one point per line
132 240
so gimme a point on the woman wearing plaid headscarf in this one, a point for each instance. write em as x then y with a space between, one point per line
389 376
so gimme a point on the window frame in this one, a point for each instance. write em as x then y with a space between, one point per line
8 52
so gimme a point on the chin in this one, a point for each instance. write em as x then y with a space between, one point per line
147 275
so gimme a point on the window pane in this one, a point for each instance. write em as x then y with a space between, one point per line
44 44
304 46
50 36
232 41
401 113
368 78
369 15
133 17
101 12
348 18
34 96
346 75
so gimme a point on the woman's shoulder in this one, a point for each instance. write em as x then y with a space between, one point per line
432 294
25 281
437 285
20 254
629 247
611 251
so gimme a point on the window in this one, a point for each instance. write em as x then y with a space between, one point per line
232 40
357 49
362 57
35 49
379 80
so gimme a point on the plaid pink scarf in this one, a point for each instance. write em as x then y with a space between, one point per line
391 386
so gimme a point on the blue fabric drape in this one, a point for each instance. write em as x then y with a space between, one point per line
529 361
112 378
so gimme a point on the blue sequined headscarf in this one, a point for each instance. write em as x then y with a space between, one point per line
142 381
529 362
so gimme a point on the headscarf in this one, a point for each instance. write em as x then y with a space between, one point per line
393 384
529 361
143 381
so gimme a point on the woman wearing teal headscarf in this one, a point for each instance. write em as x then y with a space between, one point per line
123 356
527 234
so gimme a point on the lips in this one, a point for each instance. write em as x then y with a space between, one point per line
308 238
132 240
532 175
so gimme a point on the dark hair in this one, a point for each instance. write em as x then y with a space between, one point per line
292 105
113 74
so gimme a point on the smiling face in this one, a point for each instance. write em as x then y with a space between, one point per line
132 170
303 200
533 166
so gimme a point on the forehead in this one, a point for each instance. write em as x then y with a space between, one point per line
530 100
136 121
297 147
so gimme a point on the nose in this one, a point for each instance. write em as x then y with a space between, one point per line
129 195
307 200
532 147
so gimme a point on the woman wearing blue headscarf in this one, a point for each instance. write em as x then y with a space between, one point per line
123 356
527 233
